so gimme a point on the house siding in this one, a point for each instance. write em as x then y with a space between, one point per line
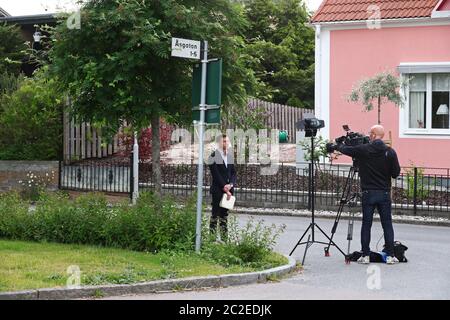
362 53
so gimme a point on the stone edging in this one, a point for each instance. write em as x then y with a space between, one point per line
153 286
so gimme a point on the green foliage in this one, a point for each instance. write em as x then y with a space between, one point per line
118 67
36 184
31 121
154 224
422 188
382 88
9 83
320 149
251 116
12 49
13 215
250 245
281 47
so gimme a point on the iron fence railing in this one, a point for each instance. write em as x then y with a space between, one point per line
415 191
106 175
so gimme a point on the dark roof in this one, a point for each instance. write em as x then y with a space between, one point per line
3 13
30 20
356 10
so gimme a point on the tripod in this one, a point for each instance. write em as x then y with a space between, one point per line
311 237
347 198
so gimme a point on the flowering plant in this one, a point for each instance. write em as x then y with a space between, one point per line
33 186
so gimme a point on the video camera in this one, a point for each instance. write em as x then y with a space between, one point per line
350 139
310 125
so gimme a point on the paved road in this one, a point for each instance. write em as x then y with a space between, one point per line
425 276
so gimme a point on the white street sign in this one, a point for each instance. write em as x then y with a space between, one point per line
184 48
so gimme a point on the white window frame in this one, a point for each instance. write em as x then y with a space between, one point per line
428 132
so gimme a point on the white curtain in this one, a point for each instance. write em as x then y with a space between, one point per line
417 110
441 82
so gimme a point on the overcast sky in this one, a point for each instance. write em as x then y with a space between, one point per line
25 7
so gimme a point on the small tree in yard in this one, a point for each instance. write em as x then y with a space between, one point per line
381 88
117 66
12 49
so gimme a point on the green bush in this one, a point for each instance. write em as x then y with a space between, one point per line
31 125
14 217
250 245
154 224
12 48
422 188
9 83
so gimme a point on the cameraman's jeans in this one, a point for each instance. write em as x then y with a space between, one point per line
380 200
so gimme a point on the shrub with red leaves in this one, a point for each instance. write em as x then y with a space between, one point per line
145 141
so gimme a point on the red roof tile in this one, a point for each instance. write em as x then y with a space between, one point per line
354 10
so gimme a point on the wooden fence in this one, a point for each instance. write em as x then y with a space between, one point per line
82 141
282 117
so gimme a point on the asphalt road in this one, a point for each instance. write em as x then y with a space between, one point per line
425 276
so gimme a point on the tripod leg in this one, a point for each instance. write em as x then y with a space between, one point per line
351 221
299 241
331 241
306 250
344 200
333 230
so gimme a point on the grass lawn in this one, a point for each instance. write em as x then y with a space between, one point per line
29 265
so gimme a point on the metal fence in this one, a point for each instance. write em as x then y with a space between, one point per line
108 175
417 191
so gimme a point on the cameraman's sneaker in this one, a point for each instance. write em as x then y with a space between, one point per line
364 260
392 260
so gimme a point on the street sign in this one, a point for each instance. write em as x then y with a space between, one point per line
212 116
213 84
184 48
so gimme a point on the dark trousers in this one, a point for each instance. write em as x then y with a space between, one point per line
380 200
220 215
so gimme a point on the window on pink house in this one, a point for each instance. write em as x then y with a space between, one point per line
417 101
440 101
429 101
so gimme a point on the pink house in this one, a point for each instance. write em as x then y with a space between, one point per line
356 39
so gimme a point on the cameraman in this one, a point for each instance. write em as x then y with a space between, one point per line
378 163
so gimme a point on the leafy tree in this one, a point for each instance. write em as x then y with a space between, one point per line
282 48
30 121
117 66
12 49
381 88
9 83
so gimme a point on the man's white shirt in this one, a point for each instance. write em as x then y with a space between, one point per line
224 157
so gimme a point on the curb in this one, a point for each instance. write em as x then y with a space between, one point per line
153 286
396 219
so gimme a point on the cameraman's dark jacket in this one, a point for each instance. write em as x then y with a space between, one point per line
377 164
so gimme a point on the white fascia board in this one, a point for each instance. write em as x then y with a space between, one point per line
424 67
440 14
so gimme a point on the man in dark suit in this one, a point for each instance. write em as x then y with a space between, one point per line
223 172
